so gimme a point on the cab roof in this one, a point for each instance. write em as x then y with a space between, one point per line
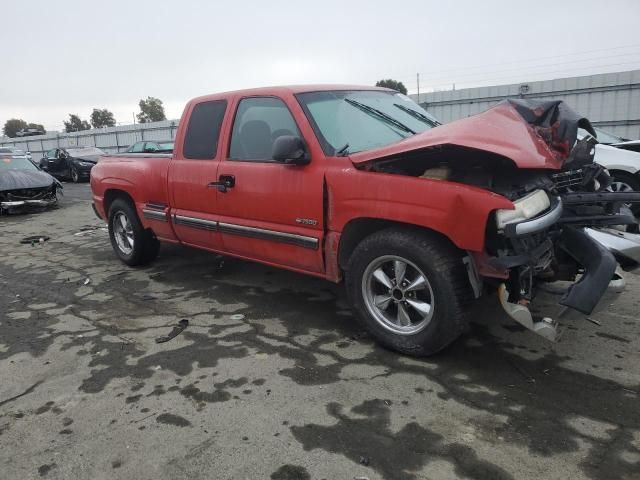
287 89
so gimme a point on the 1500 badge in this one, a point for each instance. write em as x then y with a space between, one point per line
306 221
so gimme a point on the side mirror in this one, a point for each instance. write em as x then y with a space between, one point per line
290 149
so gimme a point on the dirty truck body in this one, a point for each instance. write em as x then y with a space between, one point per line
358 183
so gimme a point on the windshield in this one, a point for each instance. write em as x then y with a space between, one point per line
356 120
12 163
165 146
82 151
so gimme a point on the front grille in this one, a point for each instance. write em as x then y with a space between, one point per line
566 181
28 193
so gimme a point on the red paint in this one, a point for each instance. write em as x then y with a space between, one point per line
329 191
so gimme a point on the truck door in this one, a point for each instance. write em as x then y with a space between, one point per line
269 211
193 167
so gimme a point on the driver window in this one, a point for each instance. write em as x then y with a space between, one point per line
51 154
258 122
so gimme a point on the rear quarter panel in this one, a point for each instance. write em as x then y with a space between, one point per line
144 179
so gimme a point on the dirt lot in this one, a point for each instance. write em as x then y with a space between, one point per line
273 379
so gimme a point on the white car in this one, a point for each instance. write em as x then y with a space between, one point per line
623 165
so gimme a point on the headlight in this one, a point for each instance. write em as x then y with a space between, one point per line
85 164
525 208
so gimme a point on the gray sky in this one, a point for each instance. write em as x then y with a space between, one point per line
71 56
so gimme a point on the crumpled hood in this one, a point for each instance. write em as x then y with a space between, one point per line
19 179
87 158
531 133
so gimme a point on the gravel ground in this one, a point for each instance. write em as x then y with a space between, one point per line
272 378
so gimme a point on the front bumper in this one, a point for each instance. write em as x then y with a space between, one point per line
555 246
84 172
15 205
537 224
599 266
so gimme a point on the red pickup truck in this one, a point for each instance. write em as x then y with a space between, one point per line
363 184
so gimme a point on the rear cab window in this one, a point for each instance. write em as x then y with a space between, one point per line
203 130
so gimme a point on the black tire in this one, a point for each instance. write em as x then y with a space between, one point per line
449 288
74 175
145 246
632 181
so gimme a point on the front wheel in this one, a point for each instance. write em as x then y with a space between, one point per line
410 290
75 177
132 243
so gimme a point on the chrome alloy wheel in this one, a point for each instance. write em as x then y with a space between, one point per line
398 295
123 233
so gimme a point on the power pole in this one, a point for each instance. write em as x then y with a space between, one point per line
418 85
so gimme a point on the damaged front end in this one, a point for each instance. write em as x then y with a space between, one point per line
23 191
18 201
566 226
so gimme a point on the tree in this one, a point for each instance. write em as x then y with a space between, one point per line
12 126
75 124
102 118
151 110
392 84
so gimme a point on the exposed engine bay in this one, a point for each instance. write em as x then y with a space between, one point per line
565 221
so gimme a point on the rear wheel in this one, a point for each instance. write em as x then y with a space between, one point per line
410 290
132 243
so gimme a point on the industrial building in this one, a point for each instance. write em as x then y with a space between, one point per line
610 100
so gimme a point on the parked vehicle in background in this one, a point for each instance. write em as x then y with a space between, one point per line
14 152
622 163
154 146
632 145
71 163
23 186
362 183
29 132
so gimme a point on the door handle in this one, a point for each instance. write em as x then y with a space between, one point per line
224 182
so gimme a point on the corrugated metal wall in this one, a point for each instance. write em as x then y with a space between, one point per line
111 140
610 100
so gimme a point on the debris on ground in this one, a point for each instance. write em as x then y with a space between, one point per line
182 324
32 240
87 281
88 230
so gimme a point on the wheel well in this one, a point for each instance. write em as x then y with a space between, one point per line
357 230
111 194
